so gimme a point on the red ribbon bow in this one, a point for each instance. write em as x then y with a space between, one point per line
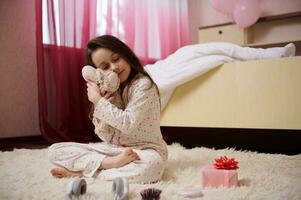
225 163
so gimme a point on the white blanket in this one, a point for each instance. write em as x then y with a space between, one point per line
191 61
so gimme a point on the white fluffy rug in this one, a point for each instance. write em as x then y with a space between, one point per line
25 175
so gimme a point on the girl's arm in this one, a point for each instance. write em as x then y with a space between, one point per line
141 99
104 131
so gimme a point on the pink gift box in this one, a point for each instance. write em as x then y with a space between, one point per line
212 177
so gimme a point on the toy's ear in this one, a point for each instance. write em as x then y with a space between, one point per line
89 73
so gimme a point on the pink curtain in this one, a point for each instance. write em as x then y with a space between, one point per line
61 41
152 28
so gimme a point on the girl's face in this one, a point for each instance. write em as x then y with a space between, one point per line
106 59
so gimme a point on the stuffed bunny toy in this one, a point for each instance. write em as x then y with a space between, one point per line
110 82
107 79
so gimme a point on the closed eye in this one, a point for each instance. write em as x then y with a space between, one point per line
116 59
105 67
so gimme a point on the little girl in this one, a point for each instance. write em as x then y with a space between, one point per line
132 146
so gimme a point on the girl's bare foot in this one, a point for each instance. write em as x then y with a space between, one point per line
62 173
120 160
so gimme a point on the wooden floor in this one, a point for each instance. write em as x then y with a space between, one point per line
260 140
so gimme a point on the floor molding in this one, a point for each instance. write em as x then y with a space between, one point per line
260 140
29 142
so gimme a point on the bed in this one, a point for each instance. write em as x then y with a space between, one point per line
261 94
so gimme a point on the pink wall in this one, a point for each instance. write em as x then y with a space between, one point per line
202 14
18 75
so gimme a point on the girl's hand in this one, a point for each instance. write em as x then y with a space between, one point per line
105 94
95 93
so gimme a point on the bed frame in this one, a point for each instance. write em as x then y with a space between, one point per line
262 94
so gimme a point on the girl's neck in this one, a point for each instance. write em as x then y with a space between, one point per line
126 82
123 85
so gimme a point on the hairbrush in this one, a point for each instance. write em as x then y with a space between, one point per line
150 194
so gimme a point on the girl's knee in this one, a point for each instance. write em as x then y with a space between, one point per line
154 168
52 152
55 149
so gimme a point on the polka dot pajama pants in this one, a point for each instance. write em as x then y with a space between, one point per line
87 158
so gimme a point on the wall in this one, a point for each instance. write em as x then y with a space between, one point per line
202 14
18 75
18 70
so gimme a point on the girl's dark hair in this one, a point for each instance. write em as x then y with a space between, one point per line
117 46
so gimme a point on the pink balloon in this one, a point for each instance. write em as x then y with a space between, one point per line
224 6
246 13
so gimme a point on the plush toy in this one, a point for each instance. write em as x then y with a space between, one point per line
107 79
104 79
110 82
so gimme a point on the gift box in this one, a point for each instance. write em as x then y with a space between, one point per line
222 173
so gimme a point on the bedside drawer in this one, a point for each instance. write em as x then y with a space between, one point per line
268 32
225 33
